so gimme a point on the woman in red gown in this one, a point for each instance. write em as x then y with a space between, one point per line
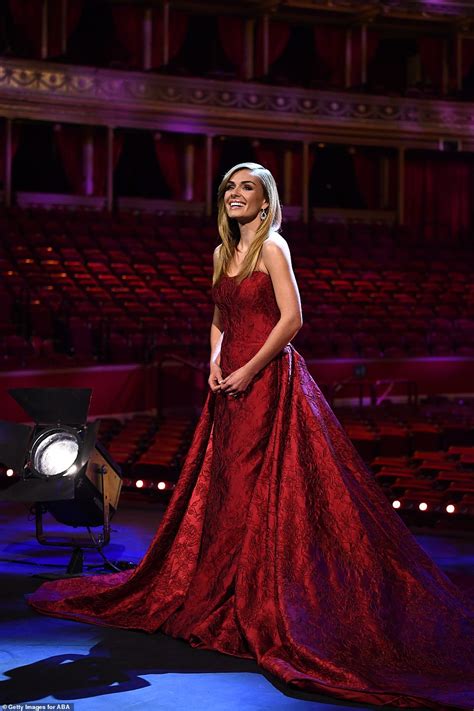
278 544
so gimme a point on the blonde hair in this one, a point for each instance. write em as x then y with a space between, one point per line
228 228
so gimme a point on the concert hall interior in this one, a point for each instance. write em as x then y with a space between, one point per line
118 121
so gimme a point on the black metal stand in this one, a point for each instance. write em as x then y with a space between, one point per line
76 562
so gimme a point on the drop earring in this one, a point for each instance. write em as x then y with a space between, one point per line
263 214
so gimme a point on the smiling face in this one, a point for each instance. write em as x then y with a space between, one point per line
244 197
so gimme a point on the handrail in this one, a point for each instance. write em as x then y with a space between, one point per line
372 385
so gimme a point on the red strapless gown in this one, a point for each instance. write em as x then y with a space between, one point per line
279 545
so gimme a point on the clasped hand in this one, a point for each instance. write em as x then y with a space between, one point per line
235 384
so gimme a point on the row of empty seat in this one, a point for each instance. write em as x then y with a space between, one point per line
419 455
85 286
401 430
146 445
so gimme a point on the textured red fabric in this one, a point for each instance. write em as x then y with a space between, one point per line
279 545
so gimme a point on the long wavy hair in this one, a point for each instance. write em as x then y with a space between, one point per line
229 228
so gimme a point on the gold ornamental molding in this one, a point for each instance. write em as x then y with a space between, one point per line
106 97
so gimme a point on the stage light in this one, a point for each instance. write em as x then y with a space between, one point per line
149 485
423 506
396 504
63 469
450 508
54 453
9 472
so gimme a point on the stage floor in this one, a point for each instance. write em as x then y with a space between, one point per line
44 659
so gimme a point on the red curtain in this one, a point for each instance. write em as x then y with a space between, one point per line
128 22
296 193
70 141
15 140
392 180
169 152
100 158
278 36
373 39
367 170
331 48
178 26
217 146
2 152
431 57
356 56
232 37
199 189
199 185
269 154
467 56
27 16
438 194
73 13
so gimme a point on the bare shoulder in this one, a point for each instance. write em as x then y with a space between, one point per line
275 250
274 242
